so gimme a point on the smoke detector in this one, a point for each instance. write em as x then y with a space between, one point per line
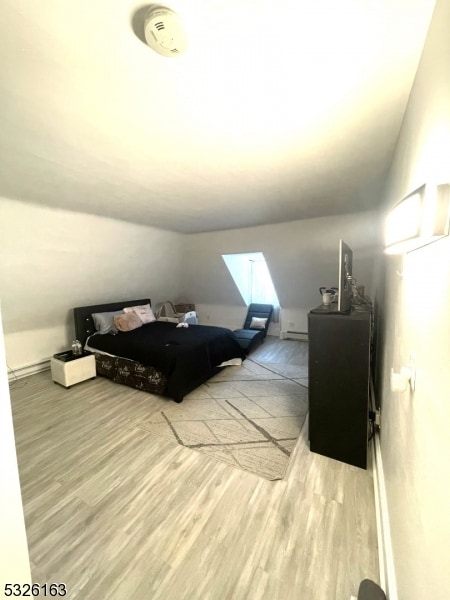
164 32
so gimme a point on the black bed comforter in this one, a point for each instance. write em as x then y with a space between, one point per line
186 356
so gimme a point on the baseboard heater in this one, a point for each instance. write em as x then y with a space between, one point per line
20 372
286 334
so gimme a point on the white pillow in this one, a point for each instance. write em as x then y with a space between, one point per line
258 323
144 312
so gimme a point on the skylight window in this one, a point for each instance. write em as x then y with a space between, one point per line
252 278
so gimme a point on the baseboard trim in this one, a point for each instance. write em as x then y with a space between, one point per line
27 370
385 554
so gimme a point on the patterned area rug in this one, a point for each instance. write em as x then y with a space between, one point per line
248 416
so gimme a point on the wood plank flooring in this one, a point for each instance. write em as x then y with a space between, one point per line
117 513
288 352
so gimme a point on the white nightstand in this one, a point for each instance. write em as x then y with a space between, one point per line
73 371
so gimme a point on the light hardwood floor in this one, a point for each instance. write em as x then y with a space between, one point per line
117 513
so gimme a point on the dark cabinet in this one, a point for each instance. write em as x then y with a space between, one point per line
339 375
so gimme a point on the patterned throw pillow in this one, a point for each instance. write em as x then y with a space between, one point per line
144 312
127 322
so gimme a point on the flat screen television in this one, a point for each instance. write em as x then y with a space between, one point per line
345 278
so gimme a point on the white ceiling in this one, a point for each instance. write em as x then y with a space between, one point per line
277 110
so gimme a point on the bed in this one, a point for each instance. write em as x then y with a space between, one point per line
158 357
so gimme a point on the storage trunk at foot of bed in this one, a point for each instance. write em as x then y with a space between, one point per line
131 373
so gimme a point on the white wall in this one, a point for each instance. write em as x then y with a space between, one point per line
54 260
14 561
414 437
301 256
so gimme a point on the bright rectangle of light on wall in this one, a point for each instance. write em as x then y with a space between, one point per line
251 275
420 218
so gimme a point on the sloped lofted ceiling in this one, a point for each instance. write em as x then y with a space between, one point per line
277 111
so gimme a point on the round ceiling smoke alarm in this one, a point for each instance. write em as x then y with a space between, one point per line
164 32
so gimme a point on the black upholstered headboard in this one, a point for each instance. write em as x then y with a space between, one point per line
84 324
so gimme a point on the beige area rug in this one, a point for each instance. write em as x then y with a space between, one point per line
249 416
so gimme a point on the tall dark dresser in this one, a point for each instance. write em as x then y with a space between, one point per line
339 376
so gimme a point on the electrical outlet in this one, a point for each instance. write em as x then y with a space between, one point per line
378 418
